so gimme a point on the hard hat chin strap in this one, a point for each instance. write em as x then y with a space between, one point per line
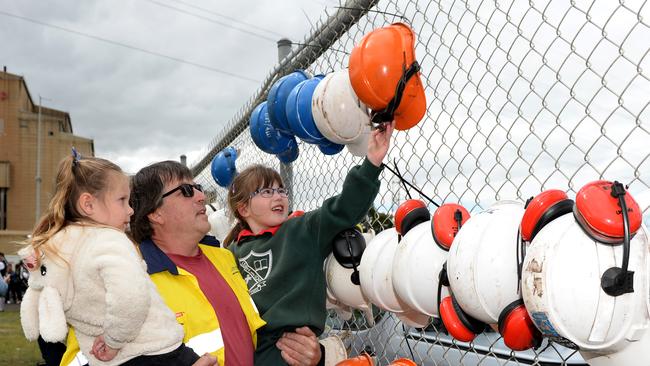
443 280
617 281
386 115
406 182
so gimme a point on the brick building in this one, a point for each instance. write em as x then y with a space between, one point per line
19 116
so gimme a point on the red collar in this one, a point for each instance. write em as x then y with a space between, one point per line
244 233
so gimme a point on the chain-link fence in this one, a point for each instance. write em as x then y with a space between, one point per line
522 96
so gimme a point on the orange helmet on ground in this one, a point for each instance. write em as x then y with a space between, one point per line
363 359
403 362
385 75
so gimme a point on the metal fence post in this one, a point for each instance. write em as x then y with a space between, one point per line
286 170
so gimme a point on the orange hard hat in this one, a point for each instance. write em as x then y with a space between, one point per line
363 359
403 362
385 75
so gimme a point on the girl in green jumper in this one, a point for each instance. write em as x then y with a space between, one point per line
281 258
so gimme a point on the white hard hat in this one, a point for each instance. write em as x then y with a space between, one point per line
342 311
339 283
339 115
220 223
482 264
635 353
416 267
375 271
414 318
561 287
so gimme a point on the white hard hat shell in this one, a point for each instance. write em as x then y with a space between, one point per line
339 115
220 224
562 292
341 287
342 311
375 272
635 354
482 264
416 267
413 318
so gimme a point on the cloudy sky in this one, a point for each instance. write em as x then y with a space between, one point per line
148 79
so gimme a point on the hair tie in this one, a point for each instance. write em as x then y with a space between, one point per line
75 156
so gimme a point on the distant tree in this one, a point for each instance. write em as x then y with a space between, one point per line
379 221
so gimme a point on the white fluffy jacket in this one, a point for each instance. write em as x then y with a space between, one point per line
104 289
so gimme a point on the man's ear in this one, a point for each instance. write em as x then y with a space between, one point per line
156 217
86 204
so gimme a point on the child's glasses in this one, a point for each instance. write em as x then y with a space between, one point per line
268 192
186 189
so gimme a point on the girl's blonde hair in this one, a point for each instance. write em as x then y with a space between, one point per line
242 187
75 176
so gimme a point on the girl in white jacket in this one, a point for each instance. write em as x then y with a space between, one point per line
88 275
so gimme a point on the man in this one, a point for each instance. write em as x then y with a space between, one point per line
196 278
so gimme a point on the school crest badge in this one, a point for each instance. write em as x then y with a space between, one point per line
256 267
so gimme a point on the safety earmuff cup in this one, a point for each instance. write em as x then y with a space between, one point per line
460 325
409 214
446 222
517 328
544 208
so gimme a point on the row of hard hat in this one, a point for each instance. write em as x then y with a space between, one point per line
333 110
382 84
549 269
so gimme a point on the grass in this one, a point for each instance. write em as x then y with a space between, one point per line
15 350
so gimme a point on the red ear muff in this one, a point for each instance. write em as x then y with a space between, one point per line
599 213
608 214
446 222
409 214
518 330
544 208
460 325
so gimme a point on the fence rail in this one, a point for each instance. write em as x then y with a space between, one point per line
522 96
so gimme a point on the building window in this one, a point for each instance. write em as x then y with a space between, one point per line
3 208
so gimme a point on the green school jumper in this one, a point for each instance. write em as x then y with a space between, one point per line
283 266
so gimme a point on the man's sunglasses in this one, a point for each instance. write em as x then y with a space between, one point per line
186 189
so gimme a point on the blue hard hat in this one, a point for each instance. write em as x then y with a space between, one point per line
330 148
298 111
264 135
223 166
291 154
277 99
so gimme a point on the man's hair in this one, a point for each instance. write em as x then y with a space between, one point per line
146 193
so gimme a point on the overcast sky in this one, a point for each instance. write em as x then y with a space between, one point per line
139 107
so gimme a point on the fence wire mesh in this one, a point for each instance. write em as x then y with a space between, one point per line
522 96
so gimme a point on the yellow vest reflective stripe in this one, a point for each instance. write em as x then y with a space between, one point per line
206 342
79 360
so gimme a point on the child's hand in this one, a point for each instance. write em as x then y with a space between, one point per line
379 143
300 348
206 360
101 351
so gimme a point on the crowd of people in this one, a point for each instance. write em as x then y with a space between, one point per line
13 283
178 297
